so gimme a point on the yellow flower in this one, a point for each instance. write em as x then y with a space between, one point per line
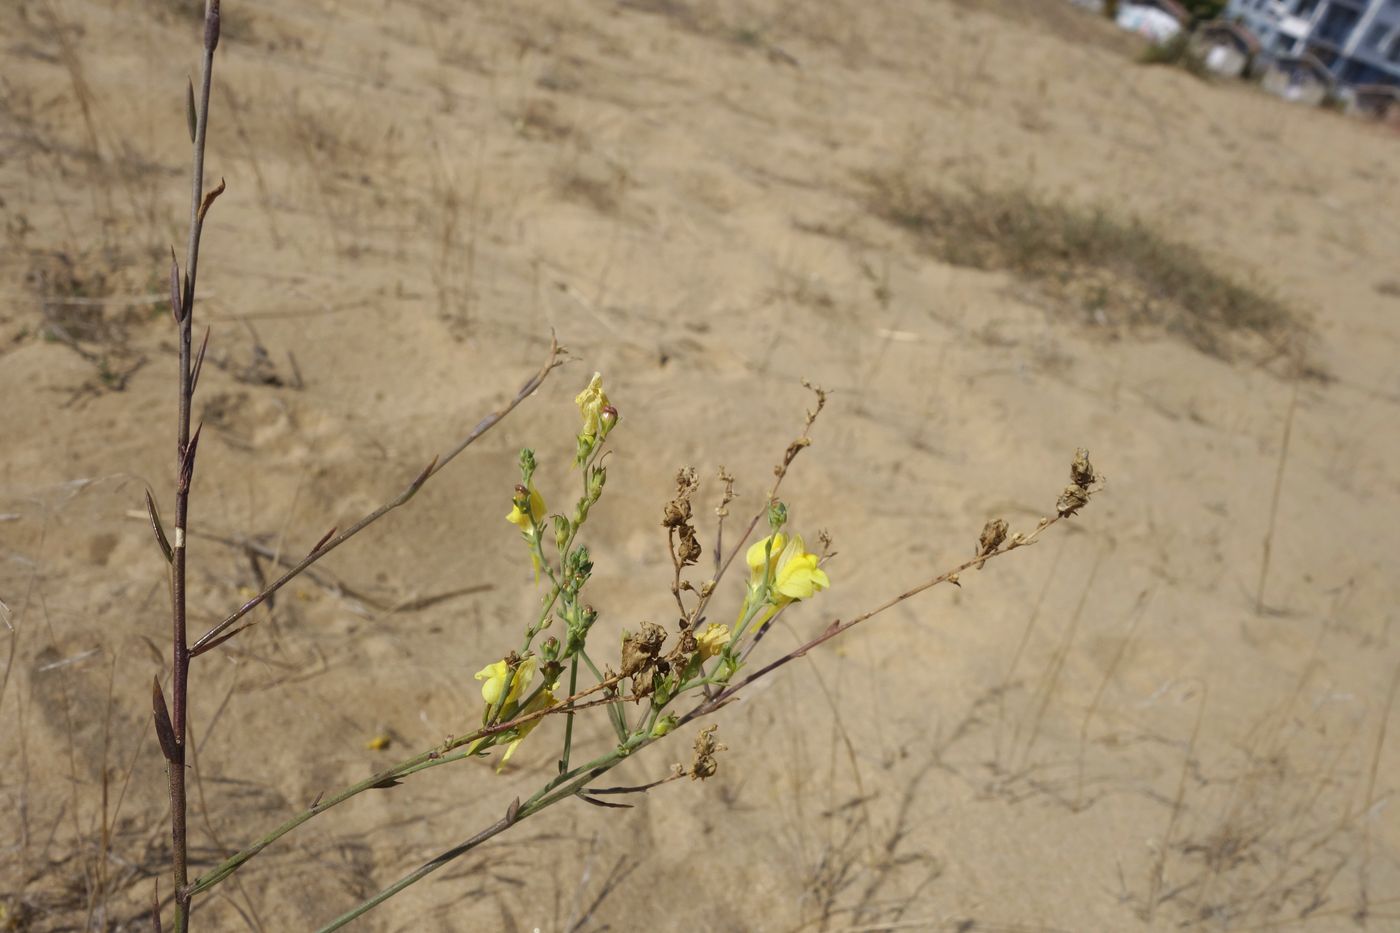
759 557
712 640
590 404
599 417
541 700
495 676
521 518
798 576
792 572
526 521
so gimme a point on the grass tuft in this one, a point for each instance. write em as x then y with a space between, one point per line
1108 270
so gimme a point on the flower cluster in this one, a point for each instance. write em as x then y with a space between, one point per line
781 571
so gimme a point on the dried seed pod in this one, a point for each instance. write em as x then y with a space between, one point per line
1081 471
690 550
704 764
639 651
1072 500
993 534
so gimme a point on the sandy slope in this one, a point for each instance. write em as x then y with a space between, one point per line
1098 734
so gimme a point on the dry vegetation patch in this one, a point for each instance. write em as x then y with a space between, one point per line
1114 271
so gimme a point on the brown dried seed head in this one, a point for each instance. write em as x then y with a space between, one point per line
639 651
704 764
728 480
690 549
795 448
1081 471
993 534
676 513
1072 500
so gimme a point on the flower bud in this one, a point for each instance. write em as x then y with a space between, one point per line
597 478
550 649
578 568
607 419
561 532
663 725
777 515
551 671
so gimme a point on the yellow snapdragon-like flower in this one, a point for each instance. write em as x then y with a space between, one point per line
541 700
599 417
759 556
793 573
495 676
712 641
522 519
591 402
527 521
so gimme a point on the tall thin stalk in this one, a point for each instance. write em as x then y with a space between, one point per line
170 725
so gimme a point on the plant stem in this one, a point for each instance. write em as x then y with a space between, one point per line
588 773
386 778
212 638
547 796
185 453
615 712
569 717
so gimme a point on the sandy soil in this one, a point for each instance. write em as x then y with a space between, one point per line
1099 733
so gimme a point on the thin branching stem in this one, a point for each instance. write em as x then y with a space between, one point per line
572 782
207 640
391 775
569 719
173 726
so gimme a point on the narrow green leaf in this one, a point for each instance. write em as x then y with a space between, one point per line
165 730
190 117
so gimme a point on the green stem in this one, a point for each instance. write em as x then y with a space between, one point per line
615 711
588 772
569 716
420 762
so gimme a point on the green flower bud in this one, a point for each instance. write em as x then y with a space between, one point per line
578 568
586 443
777 515
597 478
